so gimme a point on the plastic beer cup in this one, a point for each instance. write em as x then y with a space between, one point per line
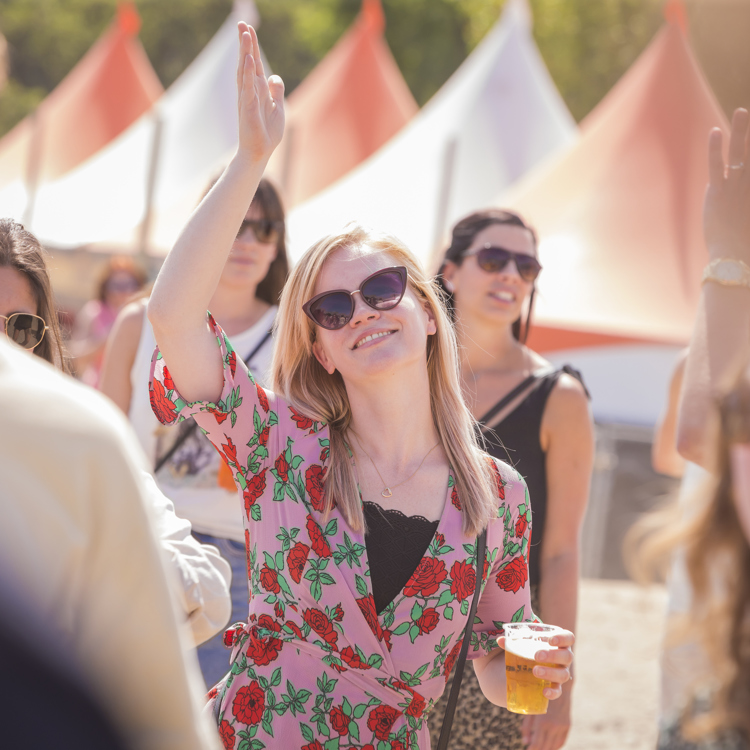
522 641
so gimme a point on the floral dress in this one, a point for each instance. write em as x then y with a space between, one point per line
315 667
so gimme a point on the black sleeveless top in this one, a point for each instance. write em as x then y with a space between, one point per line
515 440
395 544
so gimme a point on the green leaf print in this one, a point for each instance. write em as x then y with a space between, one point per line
518 614
257 424
448 613
255 512
361 585
306 732
413 632
354 730
465 607
416 611
332 744
445 598
272 419
402 628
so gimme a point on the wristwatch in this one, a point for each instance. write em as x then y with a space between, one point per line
727 272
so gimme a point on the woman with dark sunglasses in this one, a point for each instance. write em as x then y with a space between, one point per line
186 466
27 308
535 417
363 488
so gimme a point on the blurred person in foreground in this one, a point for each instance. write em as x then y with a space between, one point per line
536 417
119 281
716 539
28 315
187 467
77 549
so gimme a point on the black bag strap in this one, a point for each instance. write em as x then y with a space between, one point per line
534 378
193 426
450 709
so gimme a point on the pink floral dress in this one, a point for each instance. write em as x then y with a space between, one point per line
315 667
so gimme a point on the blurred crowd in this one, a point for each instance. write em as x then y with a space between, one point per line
124 553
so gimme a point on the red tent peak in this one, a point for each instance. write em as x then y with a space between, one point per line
373 16
128 19
675 13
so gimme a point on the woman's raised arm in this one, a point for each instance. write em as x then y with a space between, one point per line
191 271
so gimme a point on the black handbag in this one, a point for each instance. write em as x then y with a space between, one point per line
450 709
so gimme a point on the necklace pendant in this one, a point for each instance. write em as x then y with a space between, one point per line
386 492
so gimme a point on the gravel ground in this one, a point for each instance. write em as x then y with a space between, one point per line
615 703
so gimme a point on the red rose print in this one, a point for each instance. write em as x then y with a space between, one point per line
521 525
314 476
303 422
427 578
398 745
278 609
381 719
338 613
439 540
212 693
463 580
232 362
232 634
315 745
318 541
249 704
324 454
282 467
417 706
454 498
367 606
168 382
295 629
220 415
230 451
262 398
451 660
264 650
255 488
428 621
263 437
162 407
269 579
352 658
514 575
339 720
247 555
498 479
319 623
226 732
296 560
368 747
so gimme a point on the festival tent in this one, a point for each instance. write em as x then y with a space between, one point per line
619 214
346 108
110 88
137 192
495 118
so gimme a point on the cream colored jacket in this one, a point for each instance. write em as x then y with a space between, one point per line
77 544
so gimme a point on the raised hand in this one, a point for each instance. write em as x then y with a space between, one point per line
726 210
260 101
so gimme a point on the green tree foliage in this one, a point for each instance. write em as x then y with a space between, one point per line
587 44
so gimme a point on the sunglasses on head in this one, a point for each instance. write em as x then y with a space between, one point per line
264 230
25 329
492 259
381 291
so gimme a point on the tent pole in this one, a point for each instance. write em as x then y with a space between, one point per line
444 196
33 168
150 190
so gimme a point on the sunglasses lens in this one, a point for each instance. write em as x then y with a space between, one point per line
493 259
384 291
264 229
528 267
26 330
332 311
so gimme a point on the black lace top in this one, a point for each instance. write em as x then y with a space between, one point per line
395 545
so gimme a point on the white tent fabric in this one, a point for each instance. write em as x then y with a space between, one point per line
494 119
170 154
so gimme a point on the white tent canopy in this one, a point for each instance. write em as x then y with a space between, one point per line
496 117
163 161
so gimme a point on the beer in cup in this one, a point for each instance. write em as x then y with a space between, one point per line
522 641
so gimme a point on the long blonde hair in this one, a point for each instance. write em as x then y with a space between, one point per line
303 382
717 556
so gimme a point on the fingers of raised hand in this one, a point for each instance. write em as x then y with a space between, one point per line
738 142
715 158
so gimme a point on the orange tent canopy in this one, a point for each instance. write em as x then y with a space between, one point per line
619 214
353 101
111 86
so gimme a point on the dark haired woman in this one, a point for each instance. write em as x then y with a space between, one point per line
187 467
536 417
27 308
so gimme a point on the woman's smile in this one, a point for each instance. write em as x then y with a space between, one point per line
372 338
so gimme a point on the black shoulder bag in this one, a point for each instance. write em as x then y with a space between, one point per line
450 709
193 426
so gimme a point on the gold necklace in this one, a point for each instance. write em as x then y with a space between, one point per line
388 491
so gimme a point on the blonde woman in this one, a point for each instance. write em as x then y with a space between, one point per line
362 485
